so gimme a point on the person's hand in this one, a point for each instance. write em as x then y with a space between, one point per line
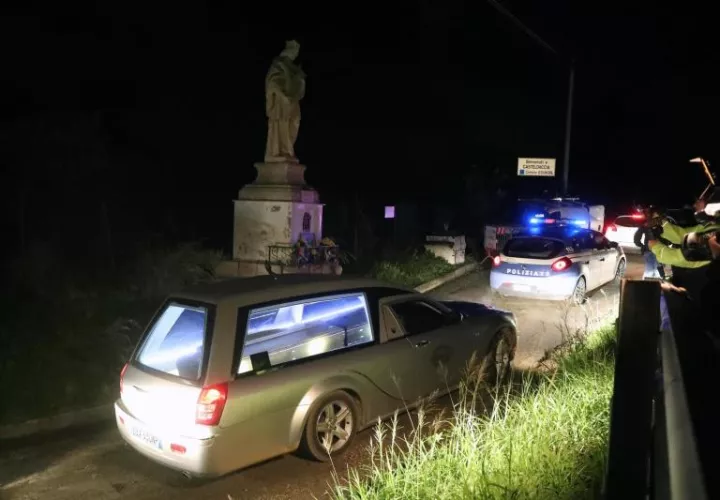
651 243
714 246
669 287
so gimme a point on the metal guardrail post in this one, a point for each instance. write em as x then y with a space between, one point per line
631 412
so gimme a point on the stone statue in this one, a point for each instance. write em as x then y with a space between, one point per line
284 88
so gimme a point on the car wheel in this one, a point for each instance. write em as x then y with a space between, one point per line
499 357
331 426
580 293
620 271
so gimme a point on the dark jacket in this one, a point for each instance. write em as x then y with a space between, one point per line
641 238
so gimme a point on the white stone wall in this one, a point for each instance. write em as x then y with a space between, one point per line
259 224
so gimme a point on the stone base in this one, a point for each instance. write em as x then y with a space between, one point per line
260 224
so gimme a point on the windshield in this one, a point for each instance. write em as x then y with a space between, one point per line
176 341
534 248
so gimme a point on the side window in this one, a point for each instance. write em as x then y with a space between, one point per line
304 328
417 316
584 242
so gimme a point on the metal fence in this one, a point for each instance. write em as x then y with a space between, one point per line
653 450
302 257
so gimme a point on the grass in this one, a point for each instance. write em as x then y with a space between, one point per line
63 343
545 439
411 269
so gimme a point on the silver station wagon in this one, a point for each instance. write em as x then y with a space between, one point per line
235 372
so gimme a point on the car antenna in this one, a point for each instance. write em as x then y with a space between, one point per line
268 268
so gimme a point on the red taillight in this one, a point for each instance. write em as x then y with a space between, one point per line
561 265
638 216
611 227
122 376
549 221
211 404
497 261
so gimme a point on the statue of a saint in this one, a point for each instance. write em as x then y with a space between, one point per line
284 88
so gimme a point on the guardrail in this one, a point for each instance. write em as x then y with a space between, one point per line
653 450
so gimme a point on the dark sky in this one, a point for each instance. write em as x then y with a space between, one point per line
402 96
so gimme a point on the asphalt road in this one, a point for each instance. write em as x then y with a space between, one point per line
93 463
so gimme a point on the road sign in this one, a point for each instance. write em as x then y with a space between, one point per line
536 167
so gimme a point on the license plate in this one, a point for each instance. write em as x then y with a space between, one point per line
146 437
522 288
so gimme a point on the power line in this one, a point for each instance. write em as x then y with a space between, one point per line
524 28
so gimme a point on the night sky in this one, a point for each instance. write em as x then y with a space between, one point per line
166 102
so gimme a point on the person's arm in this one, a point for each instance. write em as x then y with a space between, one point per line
672 256
637 239
675 234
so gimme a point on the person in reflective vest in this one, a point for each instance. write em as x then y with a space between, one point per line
672 246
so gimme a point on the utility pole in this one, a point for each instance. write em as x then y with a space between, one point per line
571 87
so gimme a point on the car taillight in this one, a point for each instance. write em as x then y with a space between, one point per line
611 227
211 404
561 265
122 376
497 261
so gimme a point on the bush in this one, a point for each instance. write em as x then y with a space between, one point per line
411 269
64 350
549 442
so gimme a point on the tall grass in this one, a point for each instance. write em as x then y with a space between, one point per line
411 269
546 438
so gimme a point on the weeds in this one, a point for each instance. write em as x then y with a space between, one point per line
411 269
64 350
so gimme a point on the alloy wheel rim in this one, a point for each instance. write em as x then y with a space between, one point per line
502 358
620 270
580 291
334 426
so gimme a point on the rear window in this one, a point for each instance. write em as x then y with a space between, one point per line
626 221
175 344
534 248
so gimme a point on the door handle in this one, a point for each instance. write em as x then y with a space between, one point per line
422 343
602 260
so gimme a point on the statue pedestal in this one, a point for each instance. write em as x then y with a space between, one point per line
271 212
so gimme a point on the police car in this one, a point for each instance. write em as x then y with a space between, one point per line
556 263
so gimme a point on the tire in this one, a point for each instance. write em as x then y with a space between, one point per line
620 271
579 294
499 357
338 411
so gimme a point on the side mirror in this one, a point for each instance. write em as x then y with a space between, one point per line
456 317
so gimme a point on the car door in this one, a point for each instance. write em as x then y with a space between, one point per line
414 330
606 257
586 253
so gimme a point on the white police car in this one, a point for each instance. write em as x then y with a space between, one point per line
556 263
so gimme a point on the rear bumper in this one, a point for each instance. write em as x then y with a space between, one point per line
199 457
560 287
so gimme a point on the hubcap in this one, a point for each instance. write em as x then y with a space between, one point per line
334 426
